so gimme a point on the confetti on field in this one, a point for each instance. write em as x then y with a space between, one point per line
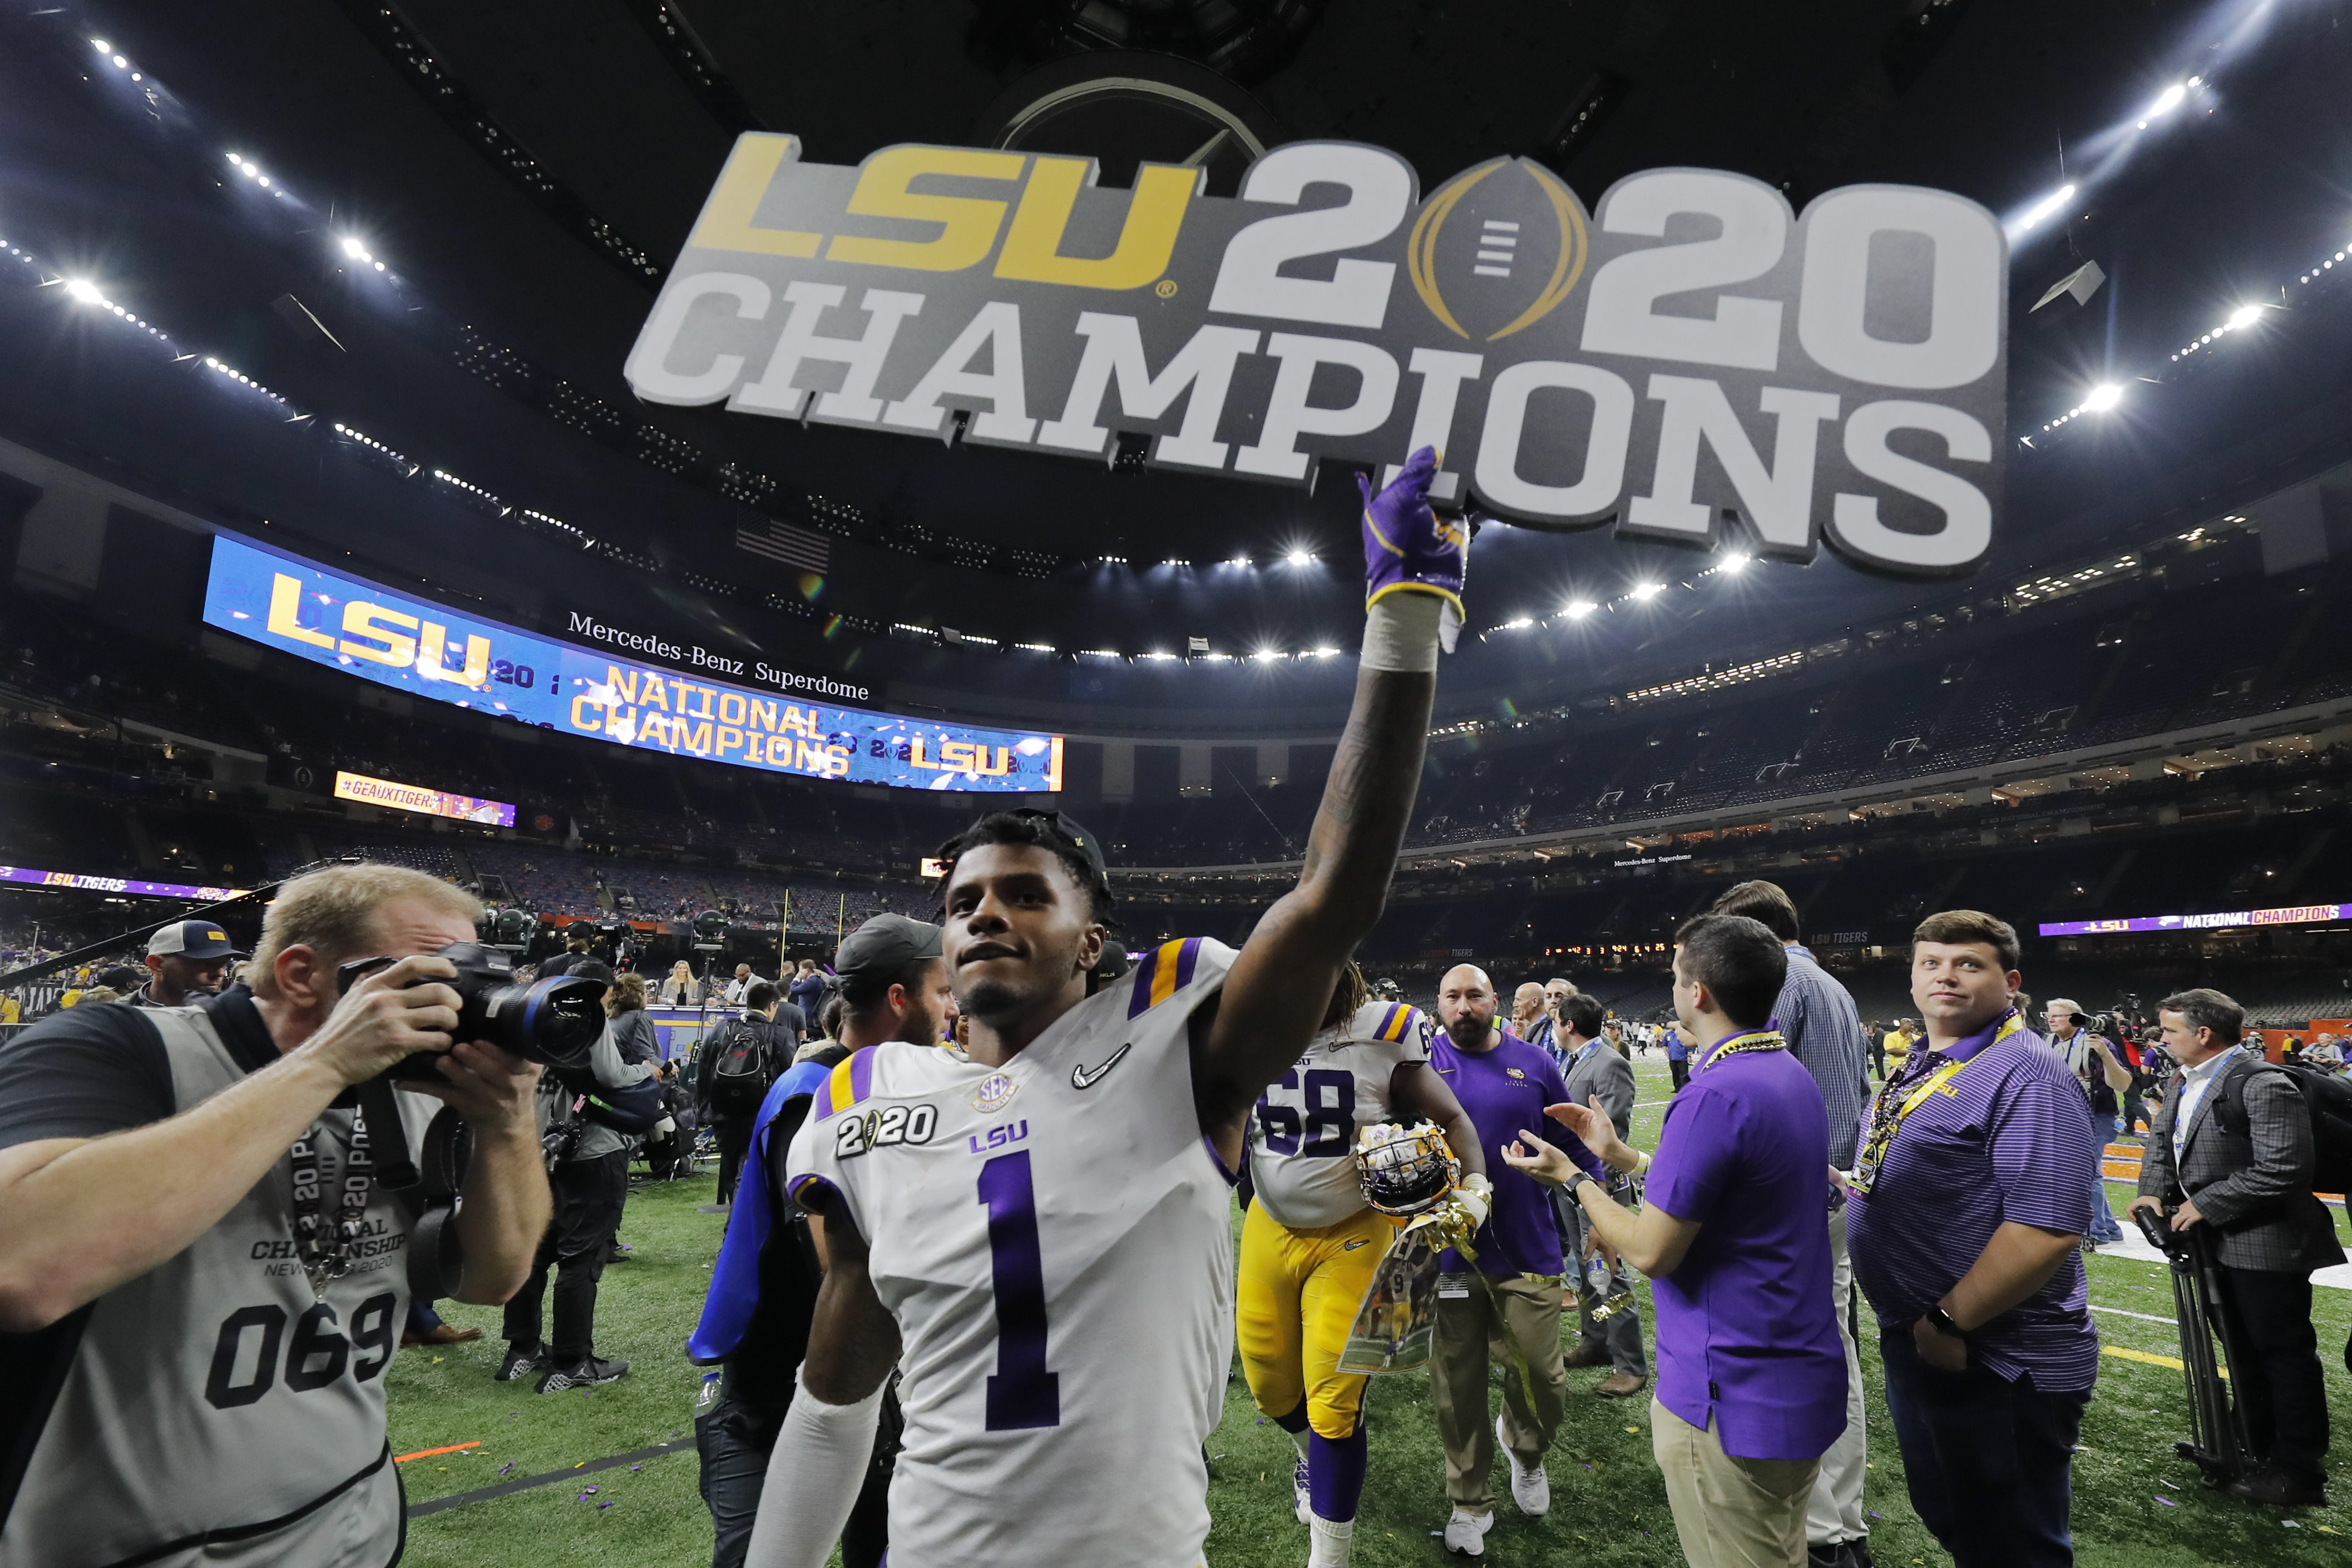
507 1468
590 1492
1873 1513
2290 1524
603 1505
634 1468
1632 1429
2167 1502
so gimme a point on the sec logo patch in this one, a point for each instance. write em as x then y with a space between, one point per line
1496 249
995 1092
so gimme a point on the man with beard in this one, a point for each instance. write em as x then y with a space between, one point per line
1513 1297
1036 1227
188 961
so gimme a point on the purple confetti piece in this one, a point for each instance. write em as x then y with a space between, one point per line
603 1505
2167 1502
591 1492
508 1466
582 1498
635 1468
1873 1513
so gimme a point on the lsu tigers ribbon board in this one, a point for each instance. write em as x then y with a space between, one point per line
1692 349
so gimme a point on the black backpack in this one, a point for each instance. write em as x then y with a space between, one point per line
740 1068
2326 1098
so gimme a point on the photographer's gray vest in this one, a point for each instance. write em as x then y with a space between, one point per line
216 1411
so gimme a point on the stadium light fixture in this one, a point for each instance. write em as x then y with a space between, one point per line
2103 397
1519 623
1300 557
1239 561
1578 608
1268 656
1324 652
2046 206
2165 103
1736 561
1648 590
2244 316
83 289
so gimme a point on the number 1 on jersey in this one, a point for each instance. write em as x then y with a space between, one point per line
1023 1394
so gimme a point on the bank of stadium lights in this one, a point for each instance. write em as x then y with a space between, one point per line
1158 656
541 518
120 62
1268 656
252 171
471 490
2053 203
1300 557
1578 608
351 248
85 292
350 433
1100 653
1240 560
1036 647
232 373
1644 591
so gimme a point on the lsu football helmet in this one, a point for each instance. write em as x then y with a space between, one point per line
1404 1170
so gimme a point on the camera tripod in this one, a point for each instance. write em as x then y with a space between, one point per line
2217 1443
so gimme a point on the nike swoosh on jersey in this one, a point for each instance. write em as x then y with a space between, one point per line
1351 1246
1082 1077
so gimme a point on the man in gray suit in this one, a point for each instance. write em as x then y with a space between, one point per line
1598 1076
2231 1149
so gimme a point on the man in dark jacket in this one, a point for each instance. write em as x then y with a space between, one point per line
2232 1153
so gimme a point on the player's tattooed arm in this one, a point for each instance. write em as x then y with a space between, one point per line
1421 1095
853 1339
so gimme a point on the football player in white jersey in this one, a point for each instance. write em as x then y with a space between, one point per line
1034 1228
1310 1244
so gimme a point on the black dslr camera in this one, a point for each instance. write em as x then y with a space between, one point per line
555 1021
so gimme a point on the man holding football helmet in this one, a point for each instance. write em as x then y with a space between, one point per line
1317 1232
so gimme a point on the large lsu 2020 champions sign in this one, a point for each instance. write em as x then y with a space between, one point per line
431 652
1693 348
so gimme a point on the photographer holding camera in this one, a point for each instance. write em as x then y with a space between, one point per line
201 1285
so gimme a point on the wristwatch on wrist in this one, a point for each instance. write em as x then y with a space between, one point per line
1942 1322
1577 1180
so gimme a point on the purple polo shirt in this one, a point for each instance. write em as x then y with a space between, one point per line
1747 1329
1505 1091
2010 1138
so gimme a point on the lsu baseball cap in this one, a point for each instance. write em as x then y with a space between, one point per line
884 946
192 939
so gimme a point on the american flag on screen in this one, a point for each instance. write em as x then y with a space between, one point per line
781 542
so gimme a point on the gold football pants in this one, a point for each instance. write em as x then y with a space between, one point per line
1298 1296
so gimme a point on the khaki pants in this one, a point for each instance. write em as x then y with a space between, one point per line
1835 1513
1731 1513
1469 1330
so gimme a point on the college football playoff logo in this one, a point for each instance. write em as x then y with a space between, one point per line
1497 248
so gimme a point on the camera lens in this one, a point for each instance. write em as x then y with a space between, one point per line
561 1020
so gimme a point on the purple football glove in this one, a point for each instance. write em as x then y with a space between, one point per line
1408 548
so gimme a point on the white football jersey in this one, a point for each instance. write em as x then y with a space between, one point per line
1303 1137
1053 1238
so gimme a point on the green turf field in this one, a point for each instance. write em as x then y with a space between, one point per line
2134 1504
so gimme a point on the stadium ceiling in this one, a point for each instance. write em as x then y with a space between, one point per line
526 169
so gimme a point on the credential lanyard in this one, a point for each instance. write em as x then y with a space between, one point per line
325 1246
1886 1120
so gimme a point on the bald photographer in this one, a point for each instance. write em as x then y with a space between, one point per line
190 1209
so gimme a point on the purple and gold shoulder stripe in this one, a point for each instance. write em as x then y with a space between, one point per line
851 1080
1167 971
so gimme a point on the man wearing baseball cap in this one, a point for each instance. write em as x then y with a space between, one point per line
894 986
187 961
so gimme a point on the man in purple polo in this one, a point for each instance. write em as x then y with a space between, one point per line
1971 1191
1504 1084
1734 1233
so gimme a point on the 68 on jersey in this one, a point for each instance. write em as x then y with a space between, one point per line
1309 1112
883 1126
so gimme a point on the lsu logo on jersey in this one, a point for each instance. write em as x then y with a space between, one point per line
883 1126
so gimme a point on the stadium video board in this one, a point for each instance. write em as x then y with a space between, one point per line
2295 915
431 652
430 802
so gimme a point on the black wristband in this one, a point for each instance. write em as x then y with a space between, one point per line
1943 1323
